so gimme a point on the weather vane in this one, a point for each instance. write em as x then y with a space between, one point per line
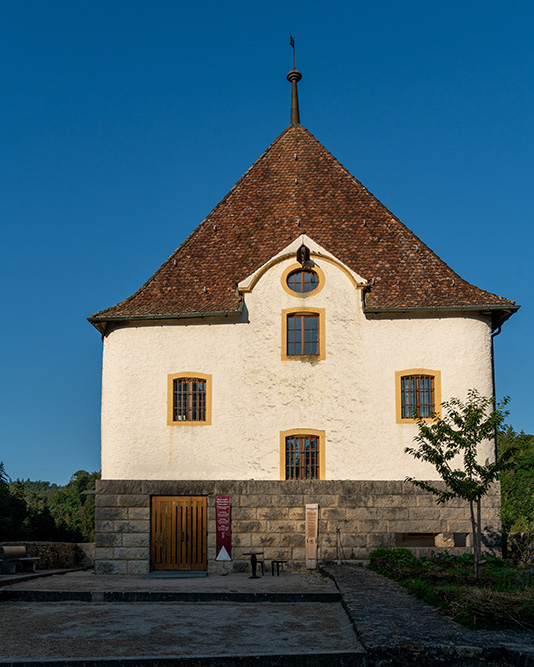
294 77
292 45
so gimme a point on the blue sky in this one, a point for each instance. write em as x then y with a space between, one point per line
122 124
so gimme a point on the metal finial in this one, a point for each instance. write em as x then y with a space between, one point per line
294 76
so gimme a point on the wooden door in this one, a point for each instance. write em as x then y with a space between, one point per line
178 533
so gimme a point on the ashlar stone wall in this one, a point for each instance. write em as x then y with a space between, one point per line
355 517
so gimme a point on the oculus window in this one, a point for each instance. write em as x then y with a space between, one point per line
302 281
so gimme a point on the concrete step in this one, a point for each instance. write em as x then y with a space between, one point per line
15 595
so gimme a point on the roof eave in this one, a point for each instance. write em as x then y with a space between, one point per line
499 314
100 323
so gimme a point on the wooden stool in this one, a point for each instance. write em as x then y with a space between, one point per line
277 563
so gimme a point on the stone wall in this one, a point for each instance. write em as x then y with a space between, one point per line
270 516
58 555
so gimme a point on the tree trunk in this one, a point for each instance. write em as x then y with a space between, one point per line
474 537
479 531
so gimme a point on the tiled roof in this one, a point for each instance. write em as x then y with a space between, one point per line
297 186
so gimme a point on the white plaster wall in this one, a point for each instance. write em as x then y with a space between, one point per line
350 395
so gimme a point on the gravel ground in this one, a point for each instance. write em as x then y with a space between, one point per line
78 630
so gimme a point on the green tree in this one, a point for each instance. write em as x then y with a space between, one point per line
13 510
73 510
454 439
517 482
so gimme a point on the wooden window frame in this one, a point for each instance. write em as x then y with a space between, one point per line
170 398
320 313
320 435
297 267
398 394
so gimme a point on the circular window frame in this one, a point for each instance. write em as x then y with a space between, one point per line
298 267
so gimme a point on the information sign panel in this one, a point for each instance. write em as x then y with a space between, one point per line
224 530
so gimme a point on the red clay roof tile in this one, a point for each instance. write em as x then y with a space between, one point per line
297 186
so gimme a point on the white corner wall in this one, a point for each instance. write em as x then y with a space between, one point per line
350 395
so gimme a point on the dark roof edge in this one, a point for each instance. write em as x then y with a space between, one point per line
500 313
100 322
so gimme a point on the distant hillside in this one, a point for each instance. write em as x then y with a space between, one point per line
37 510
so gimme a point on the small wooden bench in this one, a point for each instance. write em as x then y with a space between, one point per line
14 558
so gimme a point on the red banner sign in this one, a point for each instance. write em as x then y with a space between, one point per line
224 531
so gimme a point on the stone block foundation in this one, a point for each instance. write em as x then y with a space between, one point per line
355 517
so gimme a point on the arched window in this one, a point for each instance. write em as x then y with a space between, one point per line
189 400
418 394
303 333
302 457
302 454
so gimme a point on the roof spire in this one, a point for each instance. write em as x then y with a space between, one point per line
294 76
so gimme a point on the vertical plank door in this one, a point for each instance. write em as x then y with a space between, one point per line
178 540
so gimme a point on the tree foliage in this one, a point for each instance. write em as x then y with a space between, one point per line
42 511
74 511
12 509
450 443
517 481
456 436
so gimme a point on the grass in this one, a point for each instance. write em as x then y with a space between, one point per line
501 599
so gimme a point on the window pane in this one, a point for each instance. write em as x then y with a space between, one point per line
302 457
302 280
417 396
293 281
189 399
302 334
426 397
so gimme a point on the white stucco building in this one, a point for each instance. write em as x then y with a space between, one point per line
276 359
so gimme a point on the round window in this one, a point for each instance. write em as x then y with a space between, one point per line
302 280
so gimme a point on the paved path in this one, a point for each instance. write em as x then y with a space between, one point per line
292 621
233 624
396 628
76 630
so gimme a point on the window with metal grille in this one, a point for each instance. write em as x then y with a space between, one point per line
302 334
302 281
189 400
417 396
302 457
